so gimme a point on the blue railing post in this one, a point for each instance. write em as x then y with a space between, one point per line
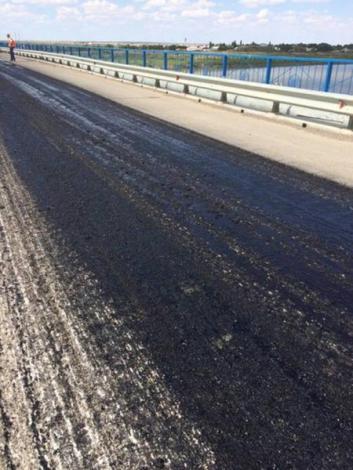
225 66
89 52
99 53
127 56
64 49
268 71
191 63
112 55
328 77
79 52
144 58
71 52
165 60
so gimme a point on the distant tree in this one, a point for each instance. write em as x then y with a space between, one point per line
223 47
285 47
324 47
234 44
301 47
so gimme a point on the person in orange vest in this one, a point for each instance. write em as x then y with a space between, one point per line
12 44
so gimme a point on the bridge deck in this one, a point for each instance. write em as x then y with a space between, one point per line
165 299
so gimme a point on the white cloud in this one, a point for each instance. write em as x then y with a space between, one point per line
151 4
67 13
227 17
321 20
263 16
196 13
174 5
201 8
316 2
267 3
44 2
259 3
19 13
97 11
172 20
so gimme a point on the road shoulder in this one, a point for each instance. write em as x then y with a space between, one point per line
319 152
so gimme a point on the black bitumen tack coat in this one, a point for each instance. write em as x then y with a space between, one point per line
235 273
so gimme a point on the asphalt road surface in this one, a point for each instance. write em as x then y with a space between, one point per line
166 301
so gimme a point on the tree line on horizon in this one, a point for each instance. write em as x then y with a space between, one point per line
284 47
322 47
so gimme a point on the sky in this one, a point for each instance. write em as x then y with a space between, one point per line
176 20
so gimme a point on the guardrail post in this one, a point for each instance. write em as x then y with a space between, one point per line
191 63
57 49
350 123
275 107
165 60
144 58
79 52
328 77
127 56
112 55
225 66
89 52
268 71
99 53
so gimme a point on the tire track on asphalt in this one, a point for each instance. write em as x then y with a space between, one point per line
37 284
5 426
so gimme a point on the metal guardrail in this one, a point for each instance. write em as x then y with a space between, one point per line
212 88
328 75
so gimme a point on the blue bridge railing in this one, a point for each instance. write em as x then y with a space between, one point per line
328 75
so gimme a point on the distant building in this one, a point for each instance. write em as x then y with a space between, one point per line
197 47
